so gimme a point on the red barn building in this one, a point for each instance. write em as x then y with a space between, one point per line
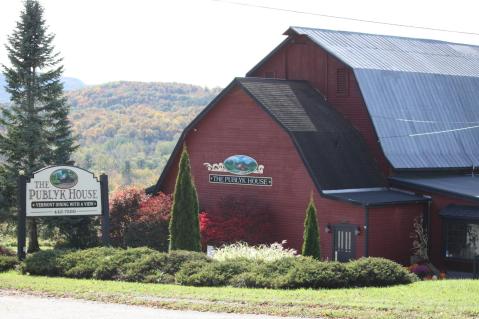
380 129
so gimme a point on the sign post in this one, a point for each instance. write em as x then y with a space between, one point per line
21 218
105 216
61 191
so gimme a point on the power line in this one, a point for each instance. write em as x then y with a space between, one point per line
345 18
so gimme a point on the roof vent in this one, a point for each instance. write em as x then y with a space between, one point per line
342 82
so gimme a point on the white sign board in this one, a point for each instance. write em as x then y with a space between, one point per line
63 191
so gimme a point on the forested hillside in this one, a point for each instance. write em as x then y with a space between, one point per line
128 129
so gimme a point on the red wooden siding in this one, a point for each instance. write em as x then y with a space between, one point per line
237 125
390 228
301 59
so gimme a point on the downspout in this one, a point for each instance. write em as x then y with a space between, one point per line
366 231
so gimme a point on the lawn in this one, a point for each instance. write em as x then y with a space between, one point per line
429 299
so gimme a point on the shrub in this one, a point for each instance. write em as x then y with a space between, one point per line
7 263
378 272
184 223
43 263
201 273
272 274
83 263
176 259
310 273
139 220
148 268
311 232
239 219
271 252
124 204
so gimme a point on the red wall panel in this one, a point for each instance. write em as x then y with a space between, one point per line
390 228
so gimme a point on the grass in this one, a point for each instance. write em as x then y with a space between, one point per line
429 299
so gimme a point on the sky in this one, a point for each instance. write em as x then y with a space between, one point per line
209 42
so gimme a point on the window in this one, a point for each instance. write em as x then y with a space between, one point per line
342 82
461 240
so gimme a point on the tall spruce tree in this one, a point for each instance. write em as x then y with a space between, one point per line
311 232
37 130
184 223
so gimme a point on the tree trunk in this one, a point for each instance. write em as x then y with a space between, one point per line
32 236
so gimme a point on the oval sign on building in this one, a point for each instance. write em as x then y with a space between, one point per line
63 191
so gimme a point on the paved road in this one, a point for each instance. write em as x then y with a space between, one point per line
32 307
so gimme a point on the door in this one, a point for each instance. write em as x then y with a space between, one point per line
344 244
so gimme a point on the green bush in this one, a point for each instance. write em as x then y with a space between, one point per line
83 263
7 263
267 274
132 264
201 273
378 272
43 263
310 273
177 258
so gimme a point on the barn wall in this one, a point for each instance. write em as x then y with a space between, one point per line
301 59
390 228
237 125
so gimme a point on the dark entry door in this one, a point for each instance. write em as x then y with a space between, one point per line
344 242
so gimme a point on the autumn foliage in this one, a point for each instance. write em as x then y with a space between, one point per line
238 221
137 219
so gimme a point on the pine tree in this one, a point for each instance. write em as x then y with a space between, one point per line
37 130
311 232
184 223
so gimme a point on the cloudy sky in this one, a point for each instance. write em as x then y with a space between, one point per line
209 42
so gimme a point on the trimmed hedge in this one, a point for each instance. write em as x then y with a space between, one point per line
297 272
7 263
195 269
105 263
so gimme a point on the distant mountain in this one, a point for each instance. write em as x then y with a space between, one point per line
128 129
68 83
158 95
71 84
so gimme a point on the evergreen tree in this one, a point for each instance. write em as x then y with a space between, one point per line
311 232
184 223
37 131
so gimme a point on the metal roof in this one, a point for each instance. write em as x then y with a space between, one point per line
375 197
422 95
464 186
392 53
460 212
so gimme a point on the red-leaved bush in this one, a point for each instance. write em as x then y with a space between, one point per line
239 220
137 219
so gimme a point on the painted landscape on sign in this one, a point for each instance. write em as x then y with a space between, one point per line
240 164
64 178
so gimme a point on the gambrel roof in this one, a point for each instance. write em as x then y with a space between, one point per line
422 95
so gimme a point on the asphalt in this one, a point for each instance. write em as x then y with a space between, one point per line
34 307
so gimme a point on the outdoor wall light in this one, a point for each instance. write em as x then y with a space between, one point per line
357 231
327 228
